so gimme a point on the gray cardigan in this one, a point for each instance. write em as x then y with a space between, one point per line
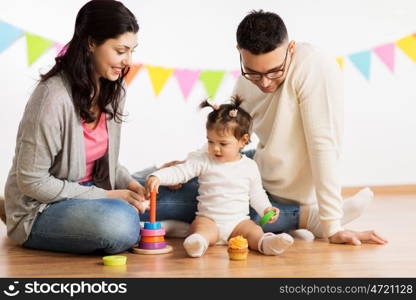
49 158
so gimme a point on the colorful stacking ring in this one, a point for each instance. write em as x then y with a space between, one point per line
152 239
114 260
152 232
152 246
154 225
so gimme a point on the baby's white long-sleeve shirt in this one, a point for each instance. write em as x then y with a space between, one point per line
226 190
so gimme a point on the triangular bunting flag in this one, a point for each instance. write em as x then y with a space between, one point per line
186 79
340 62
158 76
211 81
408 46
386 54
8 34
236 73
362 61
134 69
36 46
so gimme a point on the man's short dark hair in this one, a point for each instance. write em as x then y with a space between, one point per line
261 32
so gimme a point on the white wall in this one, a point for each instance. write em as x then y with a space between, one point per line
379 144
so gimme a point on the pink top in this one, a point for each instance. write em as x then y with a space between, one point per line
96 144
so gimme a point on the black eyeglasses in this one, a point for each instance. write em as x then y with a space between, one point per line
257 76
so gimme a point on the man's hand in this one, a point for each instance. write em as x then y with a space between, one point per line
170 164
136 187
357 237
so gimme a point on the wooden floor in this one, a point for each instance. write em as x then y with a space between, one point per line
392 215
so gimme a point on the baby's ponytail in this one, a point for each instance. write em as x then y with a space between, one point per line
236 101
205 103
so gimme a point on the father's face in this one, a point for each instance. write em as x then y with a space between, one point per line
267 71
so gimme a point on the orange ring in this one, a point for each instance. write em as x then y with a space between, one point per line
152 239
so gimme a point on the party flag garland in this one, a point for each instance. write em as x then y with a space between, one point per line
186 80
362 61
386 54
134 69
36 46
210 79
8 35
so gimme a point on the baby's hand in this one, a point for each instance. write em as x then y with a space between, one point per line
275 217
152 183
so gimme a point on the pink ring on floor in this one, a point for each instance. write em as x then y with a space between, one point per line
152 232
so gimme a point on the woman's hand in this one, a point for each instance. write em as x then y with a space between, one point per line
170 164
136 187
276 215
134 199
152 183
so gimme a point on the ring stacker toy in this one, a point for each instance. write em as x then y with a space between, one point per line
152 239
270 214
114 260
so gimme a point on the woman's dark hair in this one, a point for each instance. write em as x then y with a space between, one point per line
229 117
261 32
97 21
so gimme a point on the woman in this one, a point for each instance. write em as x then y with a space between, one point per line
66 190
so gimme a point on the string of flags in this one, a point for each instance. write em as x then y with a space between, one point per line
211 79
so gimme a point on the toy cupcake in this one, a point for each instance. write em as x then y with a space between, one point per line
238 248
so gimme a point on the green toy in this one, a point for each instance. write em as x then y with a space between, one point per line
270 214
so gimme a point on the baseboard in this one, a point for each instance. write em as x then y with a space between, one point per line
382 189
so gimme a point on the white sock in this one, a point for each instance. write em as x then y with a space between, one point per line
313 223
302 234
195 245
274 244
352 207
174 228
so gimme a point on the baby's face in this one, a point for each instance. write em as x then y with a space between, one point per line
223 146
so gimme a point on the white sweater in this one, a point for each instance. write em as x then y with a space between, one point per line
226 190
299 129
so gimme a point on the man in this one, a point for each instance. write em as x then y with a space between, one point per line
295 96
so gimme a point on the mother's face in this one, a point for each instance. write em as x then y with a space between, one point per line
111 57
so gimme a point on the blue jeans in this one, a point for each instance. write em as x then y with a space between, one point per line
85 226
182 204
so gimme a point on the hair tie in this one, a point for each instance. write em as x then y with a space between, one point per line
233 113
